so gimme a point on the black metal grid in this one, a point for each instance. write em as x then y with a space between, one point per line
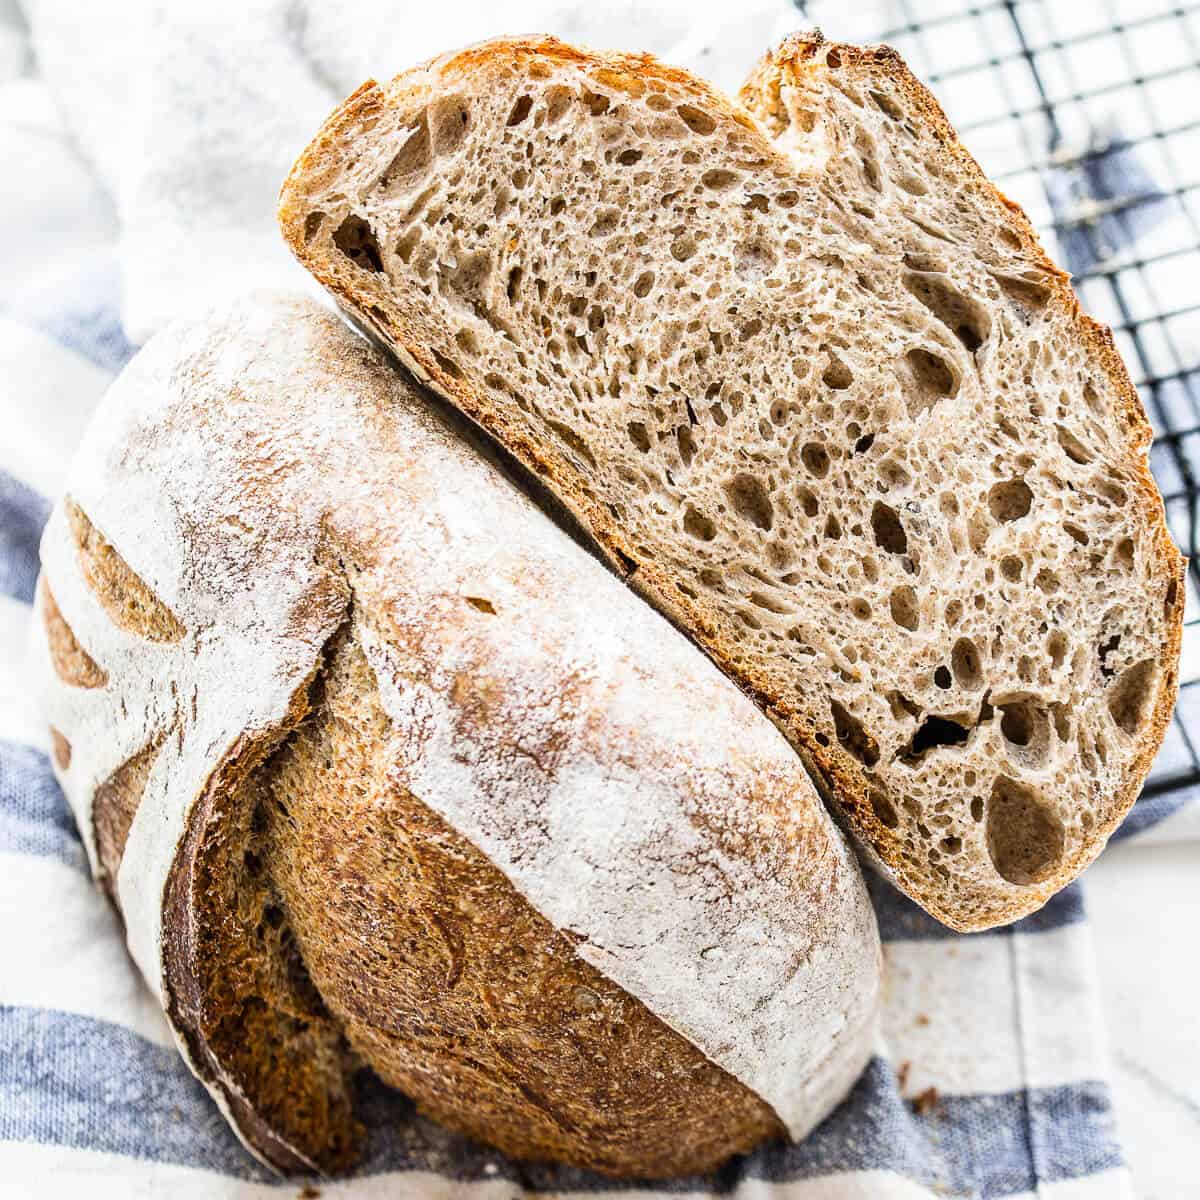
1088 114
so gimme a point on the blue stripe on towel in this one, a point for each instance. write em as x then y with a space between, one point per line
34 817
23 513
81 312
76 1081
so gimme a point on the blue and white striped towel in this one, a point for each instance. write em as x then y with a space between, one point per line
149 142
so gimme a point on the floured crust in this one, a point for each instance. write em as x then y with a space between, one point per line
601 769
342 156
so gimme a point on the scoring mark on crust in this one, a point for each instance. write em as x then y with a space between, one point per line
72 663
114 806
122 592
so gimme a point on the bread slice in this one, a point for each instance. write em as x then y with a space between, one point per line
385 772
824 401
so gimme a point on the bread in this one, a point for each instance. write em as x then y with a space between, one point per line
384 771
823 401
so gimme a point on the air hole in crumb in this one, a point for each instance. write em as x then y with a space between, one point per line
1011 567
815 458
903 605
1032 294
627 158
1170 597
1046 581
933 379
520 110
966 663
1130 696
605 223
638 435
1062 722
860 608
837 375
448 365
686 444
312 223
750 500
1073 448
697 525
1024 838
887 105
595 102
884 810
719 179
853 736
448 121
408 243
1077 535
683 247
1017 722
1010 500
1056 645
965 319
558 100
833 527
951 845
573 441
933 733
483 605
696 119
889 532
643 284
942 677
893 475
355 239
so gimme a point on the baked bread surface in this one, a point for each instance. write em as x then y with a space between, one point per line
384 771
822 399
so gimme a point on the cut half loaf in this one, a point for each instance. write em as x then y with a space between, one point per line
823 401
384 770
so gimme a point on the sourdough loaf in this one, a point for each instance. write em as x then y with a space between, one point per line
823 401
384 771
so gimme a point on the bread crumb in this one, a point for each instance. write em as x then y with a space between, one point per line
308 1192
922 1019
925 1102
902 1075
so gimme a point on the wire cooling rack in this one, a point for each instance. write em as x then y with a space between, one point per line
1087 113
